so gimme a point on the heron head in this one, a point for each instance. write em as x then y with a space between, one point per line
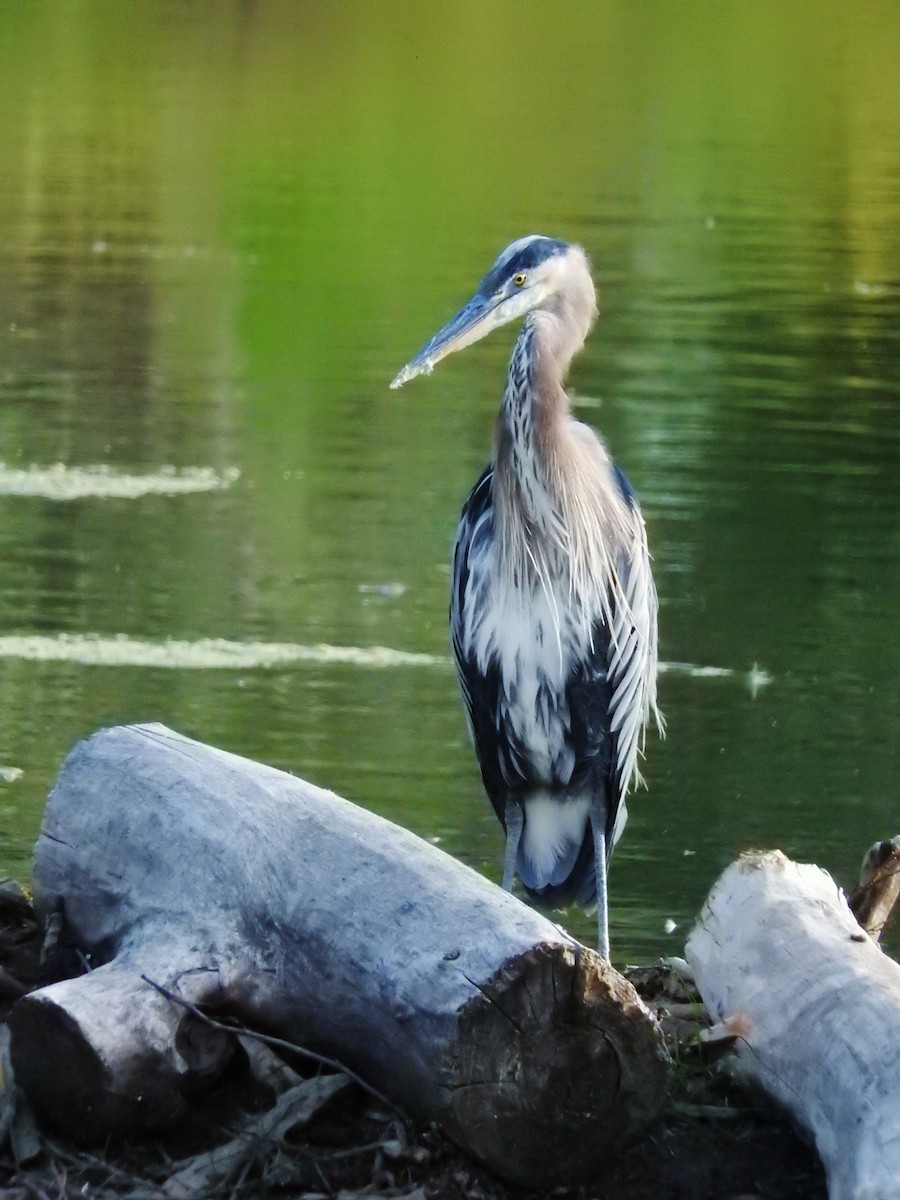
533 272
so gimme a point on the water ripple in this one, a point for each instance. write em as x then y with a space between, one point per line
119 650
60 482
203 654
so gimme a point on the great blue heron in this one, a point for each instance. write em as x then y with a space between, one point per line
553 609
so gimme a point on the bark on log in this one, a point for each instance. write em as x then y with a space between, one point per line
233 884
815 1003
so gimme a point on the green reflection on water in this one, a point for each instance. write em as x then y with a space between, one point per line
225 226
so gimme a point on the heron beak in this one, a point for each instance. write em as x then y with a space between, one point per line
471 323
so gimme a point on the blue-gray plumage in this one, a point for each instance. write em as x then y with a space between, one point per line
553 609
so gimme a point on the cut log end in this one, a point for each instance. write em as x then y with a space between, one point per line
71 1062
605 1067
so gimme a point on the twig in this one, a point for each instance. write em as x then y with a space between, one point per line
117 1176
275 1042
710 1112
684 1010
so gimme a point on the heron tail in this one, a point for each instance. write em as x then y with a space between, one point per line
556 851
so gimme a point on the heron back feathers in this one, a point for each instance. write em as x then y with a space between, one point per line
556 698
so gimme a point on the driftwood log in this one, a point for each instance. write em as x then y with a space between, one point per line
814 1005
241 888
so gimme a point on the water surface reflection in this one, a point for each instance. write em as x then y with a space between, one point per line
224 228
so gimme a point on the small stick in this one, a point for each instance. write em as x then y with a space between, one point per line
275 1042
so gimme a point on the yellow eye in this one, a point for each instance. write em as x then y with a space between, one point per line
519 279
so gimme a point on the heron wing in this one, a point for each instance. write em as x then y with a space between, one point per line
481 685
610 691
632 651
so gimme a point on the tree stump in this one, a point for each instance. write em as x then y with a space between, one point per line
239 887
815 1006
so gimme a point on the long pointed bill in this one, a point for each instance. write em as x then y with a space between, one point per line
471 323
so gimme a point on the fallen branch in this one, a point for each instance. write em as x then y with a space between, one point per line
814 1007
210 1171
237 888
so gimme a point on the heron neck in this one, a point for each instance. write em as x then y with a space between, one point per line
535 404
528 430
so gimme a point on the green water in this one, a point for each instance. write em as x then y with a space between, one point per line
225 226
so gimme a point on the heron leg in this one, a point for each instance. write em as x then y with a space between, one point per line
598 827
515 820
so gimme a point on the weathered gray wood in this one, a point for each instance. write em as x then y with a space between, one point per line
237 885
779 957
207 1174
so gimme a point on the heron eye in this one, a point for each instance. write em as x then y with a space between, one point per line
519 279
